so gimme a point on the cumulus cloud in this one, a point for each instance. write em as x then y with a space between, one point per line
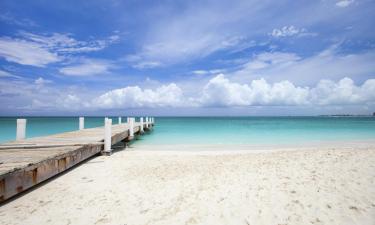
344 92
344 3
87 68
134 97
221 92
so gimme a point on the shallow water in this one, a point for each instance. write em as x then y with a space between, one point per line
216 130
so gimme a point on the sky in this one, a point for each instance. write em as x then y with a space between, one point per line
187 58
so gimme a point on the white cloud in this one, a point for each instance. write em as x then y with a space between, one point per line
166 52
146 65
197 32
40 81
288 31
40 95
271 59
344 3
134 97
205 72
10 19
70 101
26 52
65 43
7 74
87 68
202 29
221 92
114 38
285 31
217 92
327 64
40 50
345 92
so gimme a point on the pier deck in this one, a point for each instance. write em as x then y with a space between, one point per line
27 162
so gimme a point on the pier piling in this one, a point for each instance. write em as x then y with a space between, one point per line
141 127
21 129
81 123
131 128
107 136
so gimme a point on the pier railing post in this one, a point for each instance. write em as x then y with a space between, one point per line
81 123
21 129
141 121
150 123
131 127
107 136
147 123
119 120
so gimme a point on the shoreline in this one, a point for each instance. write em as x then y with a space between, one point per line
141 185
255 148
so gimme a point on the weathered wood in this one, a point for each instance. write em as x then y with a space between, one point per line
25 163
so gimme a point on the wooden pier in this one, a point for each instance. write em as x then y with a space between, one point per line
27 162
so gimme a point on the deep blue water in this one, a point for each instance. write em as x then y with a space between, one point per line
216 130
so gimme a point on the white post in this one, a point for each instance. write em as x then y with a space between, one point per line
119 120
131 127
81 123
147 125
107 135
21 129
128 119
141 121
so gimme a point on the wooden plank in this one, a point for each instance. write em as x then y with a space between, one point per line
25 163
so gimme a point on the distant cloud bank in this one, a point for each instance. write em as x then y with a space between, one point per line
221 92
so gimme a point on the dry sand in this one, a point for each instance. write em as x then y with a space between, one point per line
334 185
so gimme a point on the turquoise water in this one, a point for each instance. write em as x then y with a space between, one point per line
217 130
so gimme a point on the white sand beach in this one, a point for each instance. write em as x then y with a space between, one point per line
146 185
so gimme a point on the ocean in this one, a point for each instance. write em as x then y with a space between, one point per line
216 130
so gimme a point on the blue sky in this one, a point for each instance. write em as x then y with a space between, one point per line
187 57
